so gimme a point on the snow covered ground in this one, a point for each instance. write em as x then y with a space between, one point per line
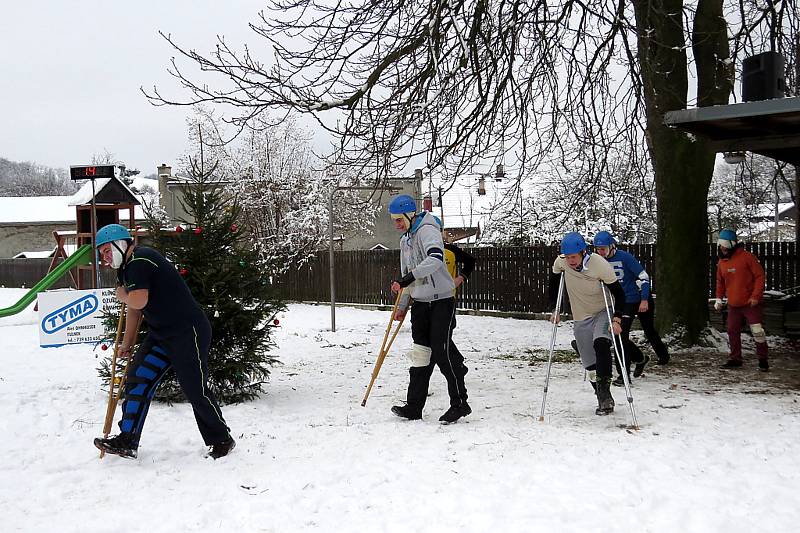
309 457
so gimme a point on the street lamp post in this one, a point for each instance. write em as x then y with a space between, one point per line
330 244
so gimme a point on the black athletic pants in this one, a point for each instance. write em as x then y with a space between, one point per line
633 352
647 320
188 355
432 326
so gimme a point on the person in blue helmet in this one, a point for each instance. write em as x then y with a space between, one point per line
586 276
179 337
740 277
638 302
425 276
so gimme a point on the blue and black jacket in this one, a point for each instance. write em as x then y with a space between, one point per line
632 276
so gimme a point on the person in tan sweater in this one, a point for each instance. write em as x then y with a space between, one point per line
586 277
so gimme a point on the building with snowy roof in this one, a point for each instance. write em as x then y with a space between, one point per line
27 224
773 222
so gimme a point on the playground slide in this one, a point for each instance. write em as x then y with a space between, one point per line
82 256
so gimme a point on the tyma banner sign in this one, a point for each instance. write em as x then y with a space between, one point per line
72 317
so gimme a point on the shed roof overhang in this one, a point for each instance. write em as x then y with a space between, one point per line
769 127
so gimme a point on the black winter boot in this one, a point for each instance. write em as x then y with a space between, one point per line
605 402
455 412
405 411
221 449
638 370
121 445
732 363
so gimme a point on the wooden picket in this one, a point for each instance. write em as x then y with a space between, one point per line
512 279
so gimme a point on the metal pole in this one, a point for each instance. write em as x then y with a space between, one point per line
96 264
777 213
797 188
441 206
330 251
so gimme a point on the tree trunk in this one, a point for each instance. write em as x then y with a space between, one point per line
683 165
681 265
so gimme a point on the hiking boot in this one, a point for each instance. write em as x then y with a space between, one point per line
455 412
638 370
121 445
763 365
405 411
605 402
620 381
663 360
221 449
732 363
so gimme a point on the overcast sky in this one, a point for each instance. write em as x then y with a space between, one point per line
70 73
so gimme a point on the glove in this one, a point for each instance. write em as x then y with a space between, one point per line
406 280
718 305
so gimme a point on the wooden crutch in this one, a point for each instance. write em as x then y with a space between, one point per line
384 347
111 408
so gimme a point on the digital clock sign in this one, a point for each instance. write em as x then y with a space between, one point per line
88 172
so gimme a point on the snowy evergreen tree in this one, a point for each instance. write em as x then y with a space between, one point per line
230 282
213 253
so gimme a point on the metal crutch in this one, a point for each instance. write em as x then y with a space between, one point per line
620 358
556 313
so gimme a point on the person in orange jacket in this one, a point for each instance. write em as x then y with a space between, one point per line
740 277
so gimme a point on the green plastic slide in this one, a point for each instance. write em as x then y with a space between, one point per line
82 256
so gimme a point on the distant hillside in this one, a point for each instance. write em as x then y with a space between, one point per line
30 179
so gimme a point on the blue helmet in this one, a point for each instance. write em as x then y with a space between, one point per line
728 235
572 243
604 238
402 204
111 233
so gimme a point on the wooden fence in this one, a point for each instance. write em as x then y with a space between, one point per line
28 272
511 279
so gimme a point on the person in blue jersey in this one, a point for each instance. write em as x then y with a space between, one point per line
430 285
179 337
638 302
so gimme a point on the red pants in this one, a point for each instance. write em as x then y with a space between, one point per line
736 318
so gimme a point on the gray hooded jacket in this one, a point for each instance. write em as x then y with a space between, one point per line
432 281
